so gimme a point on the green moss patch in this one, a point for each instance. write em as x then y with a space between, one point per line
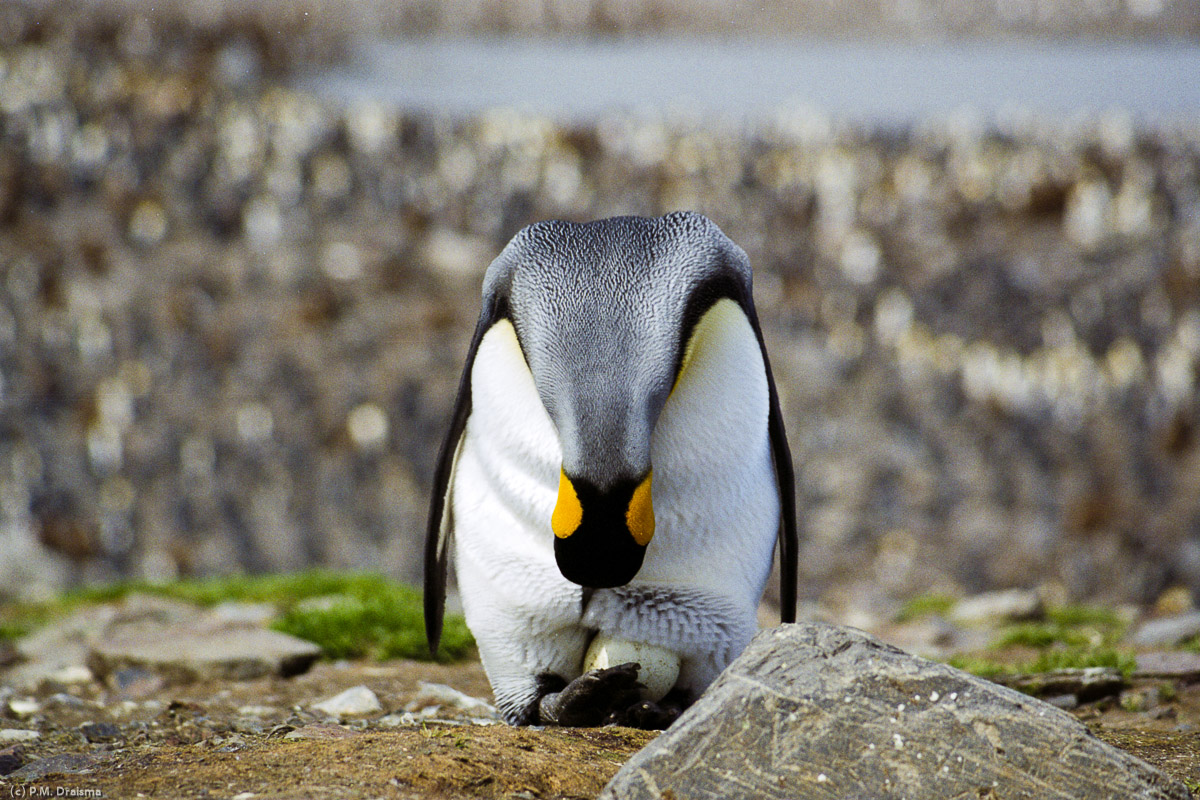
986 666
1068 637
926 605
376 619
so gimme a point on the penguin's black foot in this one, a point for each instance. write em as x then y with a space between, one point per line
592 698
652 716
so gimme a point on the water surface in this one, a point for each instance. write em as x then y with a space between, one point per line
882 82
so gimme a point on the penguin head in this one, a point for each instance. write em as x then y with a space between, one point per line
603 312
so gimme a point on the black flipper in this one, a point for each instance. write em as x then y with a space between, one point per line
439 530
785 477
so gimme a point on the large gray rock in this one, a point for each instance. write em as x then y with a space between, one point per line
818 711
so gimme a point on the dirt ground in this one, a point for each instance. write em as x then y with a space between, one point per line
199 744
497 761
231 740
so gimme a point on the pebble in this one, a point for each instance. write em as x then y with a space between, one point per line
24 707
1011 604
321 730
1085 685
1176 664
73 674
257 711
66 764
406 719
1167 631
100 732
229 744
69 701
11 758
430 694
249 725
356 701
18 735
135 682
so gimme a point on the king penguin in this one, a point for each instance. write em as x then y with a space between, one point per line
616 465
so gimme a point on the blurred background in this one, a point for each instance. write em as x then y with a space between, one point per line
241 246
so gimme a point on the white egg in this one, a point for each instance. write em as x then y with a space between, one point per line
660 666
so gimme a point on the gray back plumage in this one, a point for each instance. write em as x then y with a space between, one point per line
602 310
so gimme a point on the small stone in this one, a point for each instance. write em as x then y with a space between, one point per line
1010 604
1167 631
1064 701
100 732
404 719
321 730
342 261
65 700
353 702
1177 664
1085 685
250 725
73 674
257 711
431 694
11 759
935 638
148 223
135 682
24 708
18 735
65 764
229 744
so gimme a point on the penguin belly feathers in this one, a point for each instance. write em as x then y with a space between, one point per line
616 468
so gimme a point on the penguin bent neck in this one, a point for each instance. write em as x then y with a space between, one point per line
710 451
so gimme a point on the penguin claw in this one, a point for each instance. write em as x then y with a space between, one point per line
647 715
592 698
651 716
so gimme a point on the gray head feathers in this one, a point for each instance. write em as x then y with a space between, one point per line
602 311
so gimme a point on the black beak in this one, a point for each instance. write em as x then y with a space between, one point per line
603 551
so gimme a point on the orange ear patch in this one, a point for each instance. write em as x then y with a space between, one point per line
640 515
568 513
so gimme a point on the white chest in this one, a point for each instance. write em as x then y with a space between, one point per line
715 501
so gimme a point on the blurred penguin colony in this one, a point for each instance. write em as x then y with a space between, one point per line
232 315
